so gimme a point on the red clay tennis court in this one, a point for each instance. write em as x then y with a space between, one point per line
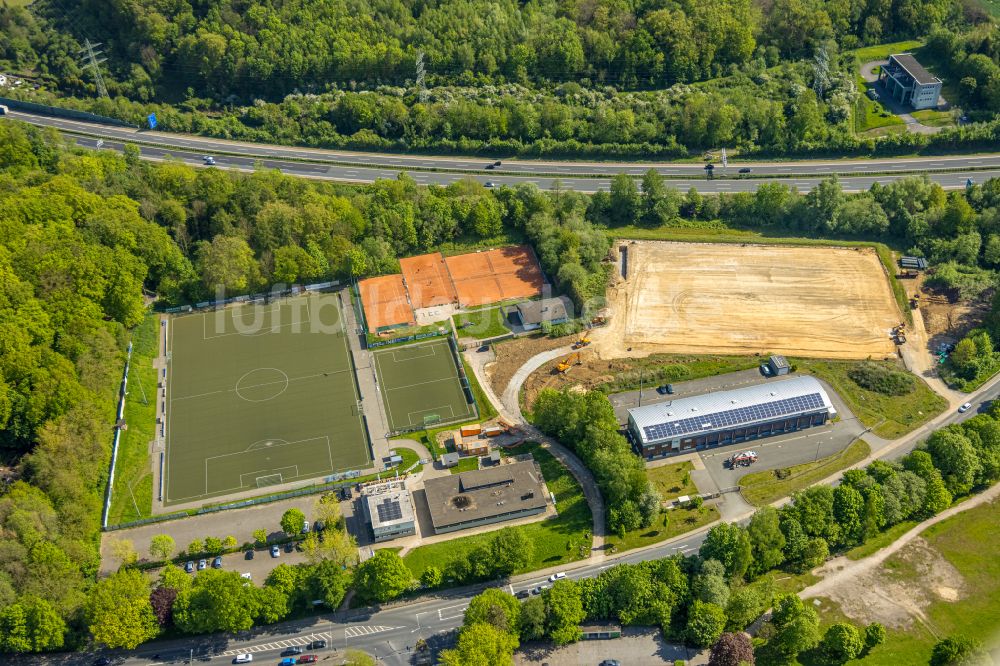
495 275
427 280
385 302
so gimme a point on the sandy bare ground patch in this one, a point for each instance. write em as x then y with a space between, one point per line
897 595
745 299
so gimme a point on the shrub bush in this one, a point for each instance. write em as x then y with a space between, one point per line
881 379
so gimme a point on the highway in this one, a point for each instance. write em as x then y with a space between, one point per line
856 175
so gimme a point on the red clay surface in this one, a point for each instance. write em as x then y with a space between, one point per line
495 275
385 302
427 280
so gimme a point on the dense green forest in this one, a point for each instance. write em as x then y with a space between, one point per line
610 78
83 234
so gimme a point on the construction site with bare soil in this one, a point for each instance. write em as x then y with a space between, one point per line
706 298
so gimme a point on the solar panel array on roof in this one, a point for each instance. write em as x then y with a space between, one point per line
735 417
389 509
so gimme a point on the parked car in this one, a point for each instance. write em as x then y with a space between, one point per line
662 389
317 645
249 554
208 160
305 527
244 658
287 661
765 369
189 566
319 526
246 576
217 562
307 659
102 661
556 576
523 594
670 389
292 651
275 551
202 564
610 662
964 408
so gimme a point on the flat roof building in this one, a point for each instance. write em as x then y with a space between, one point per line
481 497
729 417
388 510
530 315
908 82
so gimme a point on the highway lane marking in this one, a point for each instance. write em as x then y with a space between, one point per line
299 641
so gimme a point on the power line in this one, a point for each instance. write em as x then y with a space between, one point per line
93 63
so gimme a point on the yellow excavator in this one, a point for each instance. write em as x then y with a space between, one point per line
581 343
564 366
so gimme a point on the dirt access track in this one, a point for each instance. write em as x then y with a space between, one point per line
742 299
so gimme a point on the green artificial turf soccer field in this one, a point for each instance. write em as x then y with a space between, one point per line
420 385
259 395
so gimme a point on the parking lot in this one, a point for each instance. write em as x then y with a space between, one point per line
638 646
773 452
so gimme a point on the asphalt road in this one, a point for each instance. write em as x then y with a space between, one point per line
857 175
391 632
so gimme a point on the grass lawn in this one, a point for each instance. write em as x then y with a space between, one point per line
934 118
882 51
888 416
672 480
760 488
992 6
483 405
429 438
480 324
784 582
665 368
969 542
557 541
679 521
132 496
469 464
868 112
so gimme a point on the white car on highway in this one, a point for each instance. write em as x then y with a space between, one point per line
964 408
556 576
244 658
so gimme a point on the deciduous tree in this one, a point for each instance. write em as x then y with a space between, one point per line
118 611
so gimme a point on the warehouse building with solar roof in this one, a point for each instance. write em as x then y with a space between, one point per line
729 417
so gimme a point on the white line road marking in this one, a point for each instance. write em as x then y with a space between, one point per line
278 645
461 611
355 631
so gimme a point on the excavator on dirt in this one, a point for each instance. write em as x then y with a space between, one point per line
564 366
581 343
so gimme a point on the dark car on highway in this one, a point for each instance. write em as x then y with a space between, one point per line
295 649
317 645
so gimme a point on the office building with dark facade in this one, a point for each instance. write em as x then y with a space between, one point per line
729 417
